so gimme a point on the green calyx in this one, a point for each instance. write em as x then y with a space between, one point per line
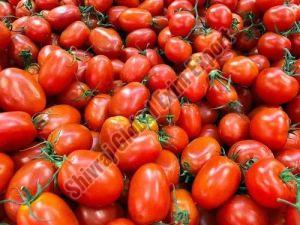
179 216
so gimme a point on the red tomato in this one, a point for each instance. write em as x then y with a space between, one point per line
210 130
25 8
7 170
295 40
182 23
114 13
204 60
85 177
117 68
208 114
128 3
290 158
141 39
261 61
266 185
292 216
160 77
105 41
99 73
174 138
129 100
264 5
209 42
149 196
177 50
218 17
293 109
26 95
198 152
100 5
231 4
46 4
212 187
229 215
38 29
293 140
121 221
5 36
134 18
177 5
6 9
49 207
163 37
154 56
45 52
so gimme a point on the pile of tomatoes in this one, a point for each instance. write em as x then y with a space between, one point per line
166 112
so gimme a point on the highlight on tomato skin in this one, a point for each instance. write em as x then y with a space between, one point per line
150 112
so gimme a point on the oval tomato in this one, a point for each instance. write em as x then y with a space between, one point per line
174 138
135 18
290 158
6 171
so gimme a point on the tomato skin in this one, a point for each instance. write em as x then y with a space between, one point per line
128 3
161 76
57 72
149 196
176 5
100 5
101 216
295 40
183 201
62 16
293 140
53 117
135 69
164 106
198 152
92 194
6 171
190 119
135 18
113 14
177 50
5 36
231 4
210 43
168 161
234 127
274 82
121 221
218 17
46 4
105 41
208 114
45 52
129 100
264 5
155 7
153 56
163 37
38 171
27 95
241 69
47 206
272 45
181 23
141 39
75 35
265 186
292 216
38 29
6 9
177 138
293 109
192 84
138 150
206 61
228 215
290 158
212 187
261 61
210 130
21 10
99 73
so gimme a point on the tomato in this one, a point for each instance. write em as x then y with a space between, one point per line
264 5
26 95
182 203
245 41
293 140
231 4
242 70
99 73
190 119
138 150
17 131
85 176
149 196
135 69
46 4
209 42
101 216
135 18
25 8
121 221
153 56
96 111
274 82
75 35
6 9
129 100
198 152
208 114
39 171
45 52
168 161
105 41
7 170
117 67
163 37
101 6
290 158
53 117
228 215
164 106
234 127
57 72
5 36
295 40
141 39
160 77
114 13
204 60
210 130
182 23
292 216
61 17
49 207
177 5
128 3
273 45
192 84
293 109
38 29
266 185
261 61
218 17
177 50
144 122
212 187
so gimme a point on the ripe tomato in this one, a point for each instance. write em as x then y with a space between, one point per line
208 114
46 5
39 171
212 187
290 158
274 82
6 9
266 183
141 38
5 36
160 77
218 17
128 3
48 207
177 50
149 195
17 131
264 5
85 176
7 171
121 221
26 95
210 130
292 216
163 37
261 61
114 13
38 29
99 73
174 138
176 6
206 61
105 41
231 4
234 127
25 8
101 6
209 42
293 140
168 161
45 52
101 216
155 7
182 23
293 109
228 215
135 18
